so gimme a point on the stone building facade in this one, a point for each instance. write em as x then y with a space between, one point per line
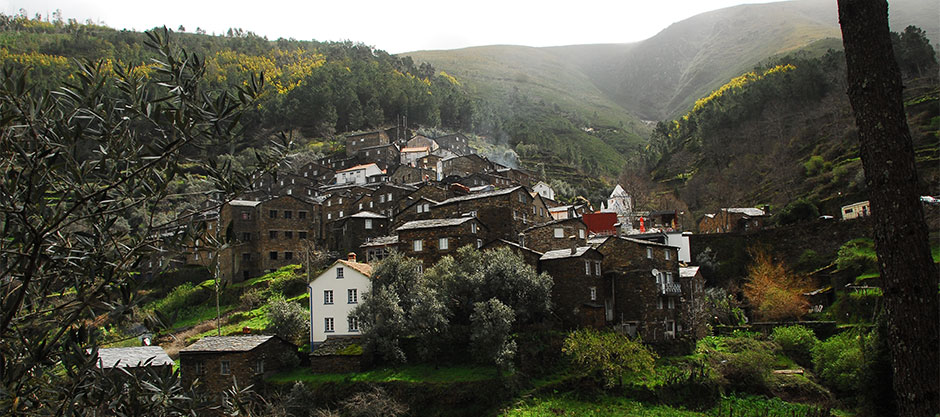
556 234
505 212
578 293
357 141
456 143
218 360
431 240
462 166
348 233
733 220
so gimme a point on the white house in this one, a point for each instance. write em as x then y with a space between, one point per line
410 155
333 296
621 203
358 174
544 190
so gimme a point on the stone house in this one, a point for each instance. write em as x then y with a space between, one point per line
357 141
422 142
505 212
560 212
405 174
348 233
529 256
267 234
431 240
419 209
386 198
358 174
410 155
385 156
456 143
376 249
334 294
218 360
318 172
462 166
556 234
135 359
578 292
342 201
643 288
733 220
692 285
336 163
516 176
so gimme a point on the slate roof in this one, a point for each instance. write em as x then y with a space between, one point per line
480 195
432 223
244 203
364 269
358 167
746 211
226 344
368 215
687 271
564 253
132 357
554 222
380 241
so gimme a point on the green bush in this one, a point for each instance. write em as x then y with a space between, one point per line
289 284
814 166
288 320
743 363
838 360
252 299
797 342
182 297
857 256
609 356
801 210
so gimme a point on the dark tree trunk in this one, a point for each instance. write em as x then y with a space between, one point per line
909 274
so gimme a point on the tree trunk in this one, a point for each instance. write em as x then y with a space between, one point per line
909 274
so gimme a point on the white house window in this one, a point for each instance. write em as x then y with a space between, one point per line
418 245
389 198
580 233
328 324
420 208
352 296
224 368
368 223
667 254
259 367
360 206
339 273
382 198
672 303
443 243
597 268
327 296
649 253
587 267
479 243
340 213
290 192
353 324
473 227
593 293
559 233
199 368
659 303
329 216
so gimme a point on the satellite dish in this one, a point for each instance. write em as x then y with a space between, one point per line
655 272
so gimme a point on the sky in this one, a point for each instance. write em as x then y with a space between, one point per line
396 27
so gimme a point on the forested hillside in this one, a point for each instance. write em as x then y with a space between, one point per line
785 131
314 88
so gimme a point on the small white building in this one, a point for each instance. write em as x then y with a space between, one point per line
856 210
358 174
410 155
334 294
544 190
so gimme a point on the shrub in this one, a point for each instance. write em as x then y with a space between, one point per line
837 362
288 284
373 404
857 256
609 355
288 320
815 165
743 363
252 298
797 342
773 290
183 296
801 210
810 260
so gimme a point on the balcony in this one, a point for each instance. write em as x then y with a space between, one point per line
671 288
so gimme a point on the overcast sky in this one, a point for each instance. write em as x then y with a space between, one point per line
395 26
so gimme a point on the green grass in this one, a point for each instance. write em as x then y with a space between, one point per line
195 315
408 373
257 319
565 405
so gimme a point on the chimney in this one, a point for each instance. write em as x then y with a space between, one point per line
351 257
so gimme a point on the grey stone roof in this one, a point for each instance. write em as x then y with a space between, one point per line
380 241
746 211
244 203
554 222
479 195
432 223
132 357
564 253
368 215
687 271
226 344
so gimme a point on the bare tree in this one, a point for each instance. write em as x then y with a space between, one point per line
909 274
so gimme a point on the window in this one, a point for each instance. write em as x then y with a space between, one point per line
659 303
327 296
667 254
587 267
360 206
389 197
340 213
443 243
593 293
196 256
246 257
339 273
224 368
669 278
272 214
521 198
353 324
329 216
288 234
246 236
649 253
288 214
368 223
559 233
246 215
303 214
259 366
420 267
672 303
352 296
418 245
288 255
272 234
580 233
382 198
328 324
199 368
597 268
473 227
302 235
479 243
273 256
427 207
289 192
